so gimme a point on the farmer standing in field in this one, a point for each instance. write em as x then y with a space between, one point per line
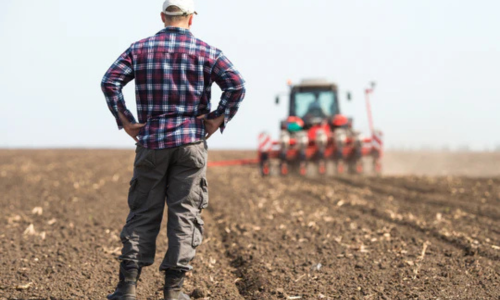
173 73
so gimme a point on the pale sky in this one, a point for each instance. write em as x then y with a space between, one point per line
436 63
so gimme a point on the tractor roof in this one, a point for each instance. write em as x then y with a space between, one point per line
311 83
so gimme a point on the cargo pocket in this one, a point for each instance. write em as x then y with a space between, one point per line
198 232
193 156
204 193
144 158
135 196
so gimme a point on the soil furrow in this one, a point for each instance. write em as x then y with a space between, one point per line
409 216
461 220
491 212
213 276
404 205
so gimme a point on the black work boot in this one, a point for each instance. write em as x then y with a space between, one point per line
173 285
129 275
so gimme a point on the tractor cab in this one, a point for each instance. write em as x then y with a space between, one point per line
312 103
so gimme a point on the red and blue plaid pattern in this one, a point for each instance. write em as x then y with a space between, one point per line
173 73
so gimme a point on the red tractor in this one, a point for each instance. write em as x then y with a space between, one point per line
316 132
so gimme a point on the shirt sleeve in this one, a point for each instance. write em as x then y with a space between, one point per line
232 85
118 75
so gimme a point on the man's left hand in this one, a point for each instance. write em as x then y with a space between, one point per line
211 125
131 129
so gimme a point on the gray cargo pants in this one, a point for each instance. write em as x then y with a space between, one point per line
177 177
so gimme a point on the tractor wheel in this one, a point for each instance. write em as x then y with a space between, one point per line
322 167
377 166
359 167
265 169
339 167
303 169
284 169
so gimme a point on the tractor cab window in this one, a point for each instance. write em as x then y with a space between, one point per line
315 104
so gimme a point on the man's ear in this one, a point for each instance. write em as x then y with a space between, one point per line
162 17
190 20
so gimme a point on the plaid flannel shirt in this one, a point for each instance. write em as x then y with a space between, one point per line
173 73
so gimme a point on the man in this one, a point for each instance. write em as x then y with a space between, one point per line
173 73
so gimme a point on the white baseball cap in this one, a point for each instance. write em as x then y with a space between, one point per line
186 7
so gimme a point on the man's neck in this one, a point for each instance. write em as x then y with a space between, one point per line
177 25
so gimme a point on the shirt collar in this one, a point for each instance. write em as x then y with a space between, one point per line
177 30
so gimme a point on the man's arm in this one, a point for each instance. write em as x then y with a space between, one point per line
118 75
232 85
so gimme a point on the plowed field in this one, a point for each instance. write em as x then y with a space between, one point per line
348 237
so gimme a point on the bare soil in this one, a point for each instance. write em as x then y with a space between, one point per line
347 237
